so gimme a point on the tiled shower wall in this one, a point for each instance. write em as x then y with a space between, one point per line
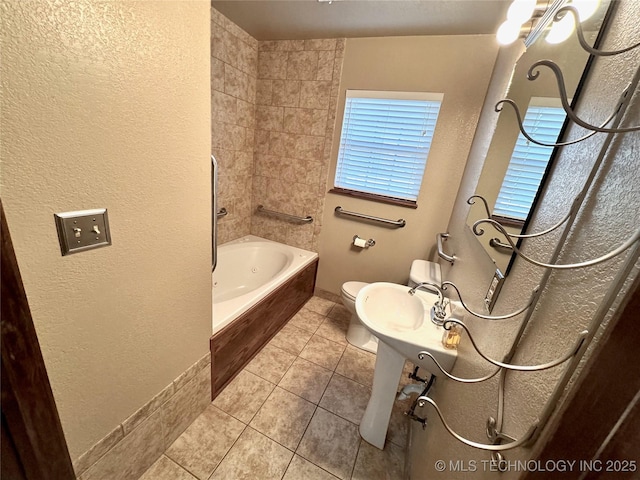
234 60
273 113
296 102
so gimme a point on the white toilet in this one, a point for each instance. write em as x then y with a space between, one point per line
358 335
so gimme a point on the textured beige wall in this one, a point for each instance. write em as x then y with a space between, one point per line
459 67
106 104
295 115
570 300
234 67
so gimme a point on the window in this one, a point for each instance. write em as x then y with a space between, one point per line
385 142
543 121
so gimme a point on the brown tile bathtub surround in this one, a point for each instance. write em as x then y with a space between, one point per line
234 69
296 96
137 443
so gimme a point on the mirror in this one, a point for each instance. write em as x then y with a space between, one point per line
539 105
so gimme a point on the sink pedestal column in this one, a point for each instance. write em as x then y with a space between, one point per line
375 421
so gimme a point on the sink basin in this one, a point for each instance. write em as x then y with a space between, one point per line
402 323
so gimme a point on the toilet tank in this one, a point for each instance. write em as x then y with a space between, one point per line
424 271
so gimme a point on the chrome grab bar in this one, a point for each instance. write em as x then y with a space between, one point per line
222 213
214 211
439 238
395 223
286 216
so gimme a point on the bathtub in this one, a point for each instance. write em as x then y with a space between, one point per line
258 286
248 269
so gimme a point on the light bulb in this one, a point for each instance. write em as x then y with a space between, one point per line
561 30
508 32
521 10
586 8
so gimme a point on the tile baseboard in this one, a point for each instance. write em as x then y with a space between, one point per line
157 423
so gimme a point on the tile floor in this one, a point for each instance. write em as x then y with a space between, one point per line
292 413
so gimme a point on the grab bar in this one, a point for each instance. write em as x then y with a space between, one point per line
395 223
286 216
439 238
222 213
214 213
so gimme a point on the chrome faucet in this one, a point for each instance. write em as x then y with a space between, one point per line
438 312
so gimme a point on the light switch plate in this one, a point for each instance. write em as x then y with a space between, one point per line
494 289
82 230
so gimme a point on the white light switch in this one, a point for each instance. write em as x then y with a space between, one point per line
82 230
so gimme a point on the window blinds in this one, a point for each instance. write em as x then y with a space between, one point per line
384 145
528 162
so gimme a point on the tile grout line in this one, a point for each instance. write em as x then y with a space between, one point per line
230 448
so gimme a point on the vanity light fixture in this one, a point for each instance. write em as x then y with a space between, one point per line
524 11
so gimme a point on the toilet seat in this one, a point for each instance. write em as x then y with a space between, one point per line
351 289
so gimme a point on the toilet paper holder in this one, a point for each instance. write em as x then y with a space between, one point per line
358 242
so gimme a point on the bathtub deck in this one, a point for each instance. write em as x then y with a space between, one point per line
234 346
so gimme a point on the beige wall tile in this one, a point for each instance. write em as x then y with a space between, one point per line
272 65
92 455
270 118
298 120
315 94
302 65
181 409
320 44
132 456
245 113
217 74
139 416
264 92
308 147
223 107
290 45
325 65
286 93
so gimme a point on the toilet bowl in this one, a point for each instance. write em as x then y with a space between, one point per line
357 335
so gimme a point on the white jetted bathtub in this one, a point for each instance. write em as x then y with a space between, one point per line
248 270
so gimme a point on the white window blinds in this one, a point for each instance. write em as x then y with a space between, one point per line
528 162
385 142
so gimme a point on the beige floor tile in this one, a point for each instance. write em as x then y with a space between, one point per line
166 469
323 352
334 329
301 469
205 442
375 464
306 379
291 339
340 312
345 398
244 396
307 320
357 365
271 363
319 305
254 456
331 443
284 418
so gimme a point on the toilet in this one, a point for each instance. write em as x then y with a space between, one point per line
358 335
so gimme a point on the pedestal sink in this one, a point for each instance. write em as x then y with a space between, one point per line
403 326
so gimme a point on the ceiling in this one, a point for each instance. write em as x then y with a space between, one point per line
301 19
